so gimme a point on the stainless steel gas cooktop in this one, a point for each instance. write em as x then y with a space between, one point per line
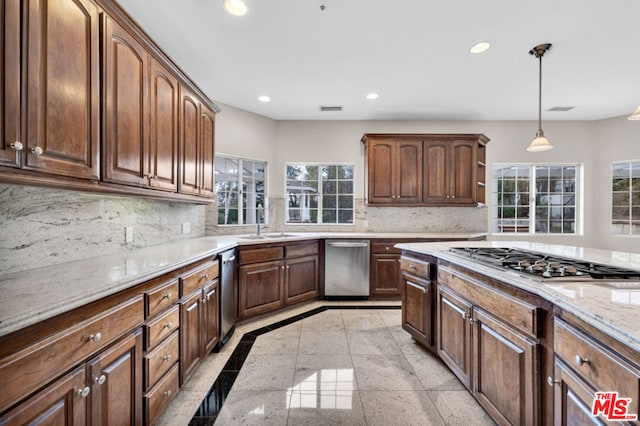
543 266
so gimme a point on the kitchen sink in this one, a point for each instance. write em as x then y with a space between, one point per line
265 236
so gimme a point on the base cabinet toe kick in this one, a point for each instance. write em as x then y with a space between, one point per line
523 358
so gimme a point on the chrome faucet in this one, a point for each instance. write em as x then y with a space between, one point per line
259 217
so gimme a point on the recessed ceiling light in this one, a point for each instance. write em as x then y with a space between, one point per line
264 98
235 7
371 96
483 46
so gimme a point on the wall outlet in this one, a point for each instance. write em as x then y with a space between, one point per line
128 234
186 228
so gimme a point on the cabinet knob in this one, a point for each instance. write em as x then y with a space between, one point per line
95 337
412 266
166 358
17 145
204 277
84 392
453 196
166 295
580 361
471 321
167 393
37 150
447 197
386 248
168 325
100 380
552 382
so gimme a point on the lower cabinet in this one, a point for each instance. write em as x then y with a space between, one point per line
301 279
385 280
497 359
260 288
417 299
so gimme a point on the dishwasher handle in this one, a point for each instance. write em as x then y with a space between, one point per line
346 244
228 260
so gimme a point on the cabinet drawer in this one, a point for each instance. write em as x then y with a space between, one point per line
157 399
603 369
162 326
158 361
260 255
384 248
517 313
161 297
300 250
196 278
415 267
36 365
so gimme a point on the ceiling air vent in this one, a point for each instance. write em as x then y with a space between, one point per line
330 108
561 108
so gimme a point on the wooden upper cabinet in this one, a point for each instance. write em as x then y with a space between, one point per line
163 146
207 120
126 107
62 83
10 83
395 171
425 169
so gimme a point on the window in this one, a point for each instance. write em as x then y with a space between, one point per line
537 199
319 193
625 201
240 189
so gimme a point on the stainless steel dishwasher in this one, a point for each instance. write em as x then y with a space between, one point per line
346 270
227 305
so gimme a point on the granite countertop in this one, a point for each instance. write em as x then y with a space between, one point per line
32 296
606 305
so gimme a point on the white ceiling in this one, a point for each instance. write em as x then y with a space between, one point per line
414 53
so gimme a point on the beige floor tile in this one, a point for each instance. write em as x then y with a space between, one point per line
330 320
324 373
323 342
384 372
277 342
326 408
255 408
459 408
399 408
372 342
433 373
266 372
354 320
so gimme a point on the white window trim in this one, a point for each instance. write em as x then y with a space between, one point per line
320 194
240 203
579 220
629 235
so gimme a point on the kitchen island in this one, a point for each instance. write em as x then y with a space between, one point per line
531 351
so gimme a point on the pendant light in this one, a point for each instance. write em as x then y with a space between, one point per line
540 143
635 115
235 7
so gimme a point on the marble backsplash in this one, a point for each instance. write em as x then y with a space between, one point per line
43 226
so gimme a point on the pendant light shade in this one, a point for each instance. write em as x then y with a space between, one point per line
235 7
635 115
540 143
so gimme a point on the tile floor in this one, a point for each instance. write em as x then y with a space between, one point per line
328 365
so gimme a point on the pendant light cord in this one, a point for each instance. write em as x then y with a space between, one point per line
540 95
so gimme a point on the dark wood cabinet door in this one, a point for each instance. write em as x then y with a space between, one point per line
505 371
189 181
163 132
386 279
454 333
62 81
417 309
408 172
116 383
462 172
207 140
10 111
210 327
125 108
259 288
190 343
436 180
60 403
573 399
381 175
301 282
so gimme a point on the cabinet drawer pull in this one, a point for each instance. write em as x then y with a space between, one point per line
167 393
84 392
471 321
580 361
166 296
552 382
412 266
37 150
419 287
100 380
166 358
94 337
464 316
204 277
17 145
168 325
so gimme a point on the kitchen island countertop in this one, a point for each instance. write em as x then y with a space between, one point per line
609 306
29 297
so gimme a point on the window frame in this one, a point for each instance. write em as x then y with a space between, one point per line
578 205
320 193
240 176
629 234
